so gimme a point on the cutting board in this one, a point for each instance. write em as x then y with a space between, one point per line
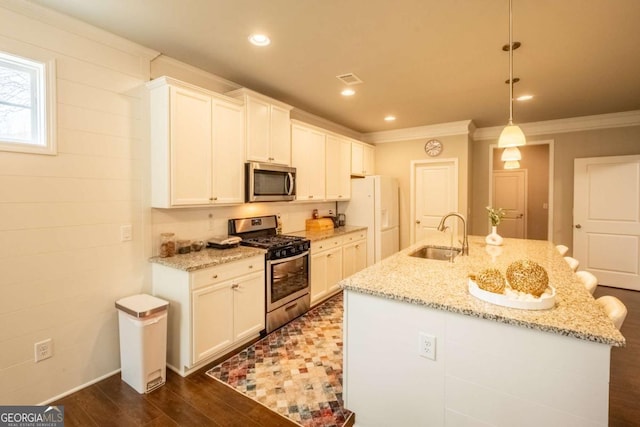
320 224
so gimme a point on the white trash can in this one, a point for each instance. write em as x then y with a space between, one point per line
142 322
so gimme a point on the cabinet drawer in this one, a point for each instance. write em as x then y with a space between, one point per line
228 271
323 245
352 237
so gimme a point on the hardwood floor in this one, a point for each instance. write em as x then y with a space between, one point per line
201 401
624 386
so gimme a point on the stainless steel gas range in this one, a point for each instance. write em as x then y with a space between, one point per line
287 267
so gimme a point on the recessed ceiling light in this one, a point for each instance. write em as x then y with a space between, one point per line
524 98
348 92
259 39
389 118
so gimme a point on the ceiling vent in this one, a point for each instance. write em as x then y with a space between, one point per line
349 79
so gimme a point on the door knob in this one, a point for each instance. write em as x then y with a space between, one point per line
578 226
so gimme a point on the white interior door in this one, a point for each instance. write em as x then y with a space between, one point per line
435 194
510 194
606 209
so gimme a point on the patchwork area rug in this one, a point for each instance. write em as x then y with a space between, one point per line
296 370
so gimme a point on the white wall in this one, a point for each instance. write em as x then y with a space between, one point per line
61 258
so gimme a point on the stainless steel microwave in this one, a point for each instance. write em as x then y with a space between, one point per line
269 183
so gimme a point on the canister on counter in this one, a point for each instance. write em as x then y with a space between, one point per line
167 245
183 246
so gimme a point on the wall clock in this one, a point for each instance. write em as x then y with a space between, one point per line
433 147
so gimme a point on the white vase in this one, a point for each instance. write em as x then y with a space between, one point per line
493 238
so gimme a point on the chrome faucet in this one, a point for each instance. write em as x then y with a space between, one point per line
465 242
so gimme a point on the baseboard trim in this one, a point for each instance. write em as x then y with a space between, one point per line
80 387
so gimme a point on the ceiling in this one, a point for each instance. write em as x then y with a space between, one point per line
424 61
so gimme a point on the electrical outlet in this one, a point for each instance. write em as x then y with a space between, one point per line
43 349
427 345
126 233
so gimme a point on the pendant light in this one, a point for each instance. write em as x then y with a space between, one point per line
512 164
512 135
511 153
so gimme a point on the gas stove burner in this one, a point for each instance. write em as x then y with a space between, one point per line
272 241
260 232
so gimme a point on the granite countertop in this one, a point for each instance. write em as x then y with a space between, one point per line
314 236
444 285
207 257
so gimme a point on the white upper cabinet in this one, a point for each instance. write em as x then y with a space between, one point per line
268 134
362 159
308 154
197 146
338 168
228 152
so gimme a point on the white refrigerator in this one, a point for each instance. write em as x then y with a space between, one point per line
374 203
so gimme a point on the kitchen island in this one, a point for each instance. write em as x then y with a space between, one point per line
492 365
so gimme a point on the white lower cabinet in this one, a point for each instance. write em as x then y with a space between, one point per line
354 257
211 311
334 259
326 272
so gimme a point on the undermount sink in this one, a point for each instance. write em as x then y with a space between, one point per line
440 253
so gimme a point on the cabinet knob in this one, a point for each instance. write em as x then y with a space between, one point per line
311 197
235 286
210 199
251 266
357 246
417 221
578 226
340 196
215 198
329 255
215 276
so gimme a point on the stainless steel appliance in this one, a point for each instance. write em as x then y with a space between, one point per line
287 267
269 183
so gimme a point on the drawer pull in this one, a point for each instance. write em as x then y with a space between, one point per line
291 307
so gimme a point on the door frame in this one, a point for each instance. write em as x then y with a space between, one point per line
550 210
415 164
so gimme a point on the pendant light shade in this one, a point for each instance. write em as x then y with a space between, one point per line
511 153
512 135
512 164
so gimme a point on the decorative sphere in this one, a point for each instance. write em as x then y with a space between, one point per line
527 276
491 280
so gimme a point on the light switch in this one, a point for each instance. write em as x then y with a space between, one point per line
125 233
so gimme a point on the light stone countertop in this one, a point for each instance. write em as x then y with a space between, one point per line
315 236
207 257
444 285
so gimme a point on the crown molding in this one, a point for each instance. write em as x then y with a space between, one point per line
77 27
574 124
228 84
463 127
326 124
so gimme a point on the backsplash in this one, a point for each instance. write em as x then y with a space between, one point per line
202 223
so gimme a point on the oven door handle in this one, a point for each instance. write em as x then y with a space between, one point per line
280 261
290 179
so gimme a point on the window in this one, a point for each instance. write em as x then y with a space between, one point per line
27 97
